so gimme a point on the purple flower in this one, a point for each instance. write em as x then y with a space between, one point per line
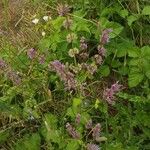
92 147
105 36
98 59
13 76
3 64
96 131
89 124
42 59
78 119
72 132
63 10
64 74
101 50
109 94
83 44
31 53
84 56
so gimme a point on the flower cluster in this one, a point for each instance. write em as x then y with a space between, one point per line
78 119
72 131
12 75
71 37
63 10
109 93
105 36
31 53
64 74
3 64
92 147
72 52
103 40
83 44
89 124
96 131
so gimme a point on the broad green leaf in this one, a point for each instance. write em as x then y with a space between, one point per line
146 52
131 19
133 52
146 10
73 145
104 70
116 27
124 13
76 102
134 79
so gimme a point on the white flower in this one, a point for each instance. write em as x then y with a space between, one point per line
35 21
45 18
43 33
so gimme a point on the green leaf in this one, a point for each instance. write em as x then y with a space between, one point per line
146 10
134 52
116 27
73 145
124 13
131 19
29 142
104 70
145 52
135 79
76 102
148 74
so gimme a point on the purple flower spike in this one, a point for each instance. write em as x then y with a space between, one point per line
3 64
64 74
72 132
83 44
96 131
105 36
63 10
42 59
109 94
13 76
31 53
92 147
89 124
78 119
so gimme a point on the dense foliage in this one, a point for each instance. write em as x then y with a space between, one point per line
84 84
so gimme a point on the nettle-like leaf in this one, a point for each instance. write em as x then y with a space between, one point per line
29 142
146 10
132 18
104 70
73 145
135 78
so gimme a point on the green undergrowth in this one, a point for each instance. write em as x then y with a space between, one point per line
83 83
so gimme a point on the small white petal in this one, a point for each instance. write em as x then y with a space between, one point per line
35 21
43 33
46 18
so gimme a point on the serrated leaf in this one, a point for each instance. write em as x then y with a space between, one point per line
124 13
104 70
146 10
134 79
73 145
131 19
